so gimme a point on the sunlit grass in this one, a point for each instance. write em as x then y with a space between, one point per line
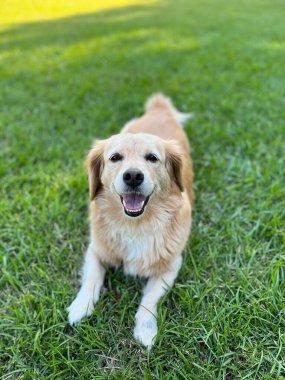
15 11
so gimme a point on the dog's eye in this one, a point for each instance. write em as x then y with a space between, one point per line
151 157
116 157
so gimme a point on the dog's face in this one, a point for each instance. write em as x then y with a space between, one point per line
134 168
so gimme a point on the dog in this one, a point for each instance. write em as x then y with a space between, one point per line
141 199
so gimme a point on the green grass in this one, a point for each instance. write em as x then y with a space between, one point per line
66 81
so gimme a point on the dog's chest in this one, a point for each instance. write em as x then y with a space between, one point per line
141 248
137 251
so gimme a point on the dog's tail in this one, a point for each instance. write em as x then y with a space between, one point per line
160 101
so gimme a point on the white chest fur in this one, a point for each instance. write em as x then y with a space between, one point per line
138 251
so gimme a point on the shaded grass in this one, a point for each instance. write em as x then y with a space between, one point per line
65 82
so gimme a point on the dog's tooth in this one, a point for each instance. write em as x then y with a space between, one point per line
133 211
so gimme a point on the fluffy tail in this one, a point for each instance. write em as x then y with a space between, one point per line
160 101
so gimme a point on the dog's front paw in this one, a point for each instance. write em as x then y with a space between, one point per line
81 307
145 329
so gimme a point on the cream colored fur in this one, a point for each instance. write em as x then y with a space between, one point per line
151 244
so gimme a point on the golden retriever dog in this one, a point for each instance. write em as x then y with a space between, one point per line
140 211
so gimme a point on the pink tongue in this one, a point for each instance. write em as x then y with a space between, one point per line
133 201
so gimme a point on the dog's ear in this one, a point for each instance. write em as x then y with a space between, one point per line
174 163
95 165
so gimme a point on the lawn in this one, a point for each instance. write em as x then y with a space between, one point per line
74 71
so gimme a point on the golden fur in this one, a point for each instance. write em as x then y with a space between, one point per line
149 245
169 217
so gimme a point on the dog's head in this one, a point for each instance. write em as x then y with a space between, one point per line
135 168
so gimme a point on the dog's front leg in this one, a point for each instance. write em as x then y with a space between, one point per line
146 325
92 281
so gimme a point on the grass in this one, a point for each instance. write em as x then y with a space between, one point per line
66 79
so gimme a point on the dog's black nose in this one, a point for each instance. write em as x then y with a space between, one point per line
133 177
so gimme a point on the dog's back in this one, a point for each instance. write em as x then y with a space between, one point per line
162 119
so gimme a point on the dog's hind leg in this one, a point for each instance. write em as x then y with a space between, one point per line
146 325
92 281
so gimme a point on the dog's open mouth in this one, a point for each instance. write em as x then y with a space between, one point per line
134 203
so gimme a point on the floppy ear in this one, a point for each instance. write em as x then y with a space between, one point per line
174 163
95 164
